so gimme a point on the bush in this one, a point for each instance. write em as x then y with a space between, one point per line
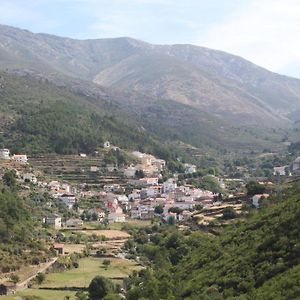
100 287
14 278
229 213
40 278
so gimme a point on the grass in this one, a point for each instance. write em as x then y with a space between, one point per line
47 294
78 278
42 294
131 223
119 226
88 269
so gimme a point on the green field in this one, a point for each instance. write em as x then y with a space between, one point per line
44 294
88 269
119 226
133 223
78 278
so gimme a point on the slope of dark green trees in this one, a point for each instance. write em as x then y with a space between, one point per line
19 242
255 259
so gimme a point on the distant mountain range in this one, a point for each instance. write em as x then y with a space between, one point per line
198 95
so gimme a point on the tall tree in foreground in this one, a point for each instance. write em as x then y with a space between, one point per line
99 288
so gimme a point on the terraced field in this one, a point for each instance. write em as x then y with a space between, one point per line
75 169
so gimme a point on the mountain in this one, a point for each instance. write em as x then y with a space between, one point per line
172 94
211 81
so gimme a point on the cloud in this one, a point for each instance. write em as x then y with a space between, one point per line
265 32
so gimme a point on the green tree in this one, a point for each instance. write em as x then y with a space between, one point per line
158 209
229 213
14 278
106 263
171 220
100 287
40 278
9 179
80 295
254 187
139 174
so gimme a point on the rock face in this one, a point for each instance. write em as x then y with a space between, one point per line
210 81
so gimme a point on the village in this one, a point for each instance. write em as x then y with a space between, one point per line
87 201
139 193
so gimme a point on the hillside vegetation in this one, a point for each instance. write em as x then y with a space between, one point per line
19 244
256 259
38 117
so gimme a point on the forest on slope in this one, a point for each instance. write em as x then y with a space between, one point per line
254 259
37 116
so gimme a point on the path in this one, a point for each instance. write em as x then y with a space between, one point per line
24 284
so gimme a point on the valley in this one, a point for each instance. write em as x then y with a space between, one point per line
131 170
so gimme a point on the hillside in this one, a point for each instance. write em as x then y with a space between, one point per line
214 82
37 117
255 259
42 113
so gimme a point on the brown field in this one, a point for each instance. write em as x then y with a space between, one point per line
109 234
74 248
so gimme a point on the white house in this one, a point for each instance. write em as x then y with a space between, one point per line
68 199
4 153
169 186
94 169
149 180
281 171
82 154
53 220
135 213
20 158
184 205
75 223
135 194
117 216
190 169
123 199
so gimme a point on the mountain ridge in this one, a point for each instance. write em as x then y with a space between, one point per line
193 75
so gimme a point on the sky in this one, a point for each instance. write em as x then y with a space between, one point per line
265 32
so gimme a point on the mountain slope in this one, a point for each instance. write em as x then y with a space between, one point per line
30 97
36 116
254 259
212 81
164 77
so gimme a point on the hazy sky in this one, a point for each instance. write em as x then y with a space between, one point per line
267 32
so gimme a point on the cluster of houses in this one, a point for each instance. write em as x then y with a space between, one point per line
149 165
147 193
149 196
143 202
287 170
18 158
